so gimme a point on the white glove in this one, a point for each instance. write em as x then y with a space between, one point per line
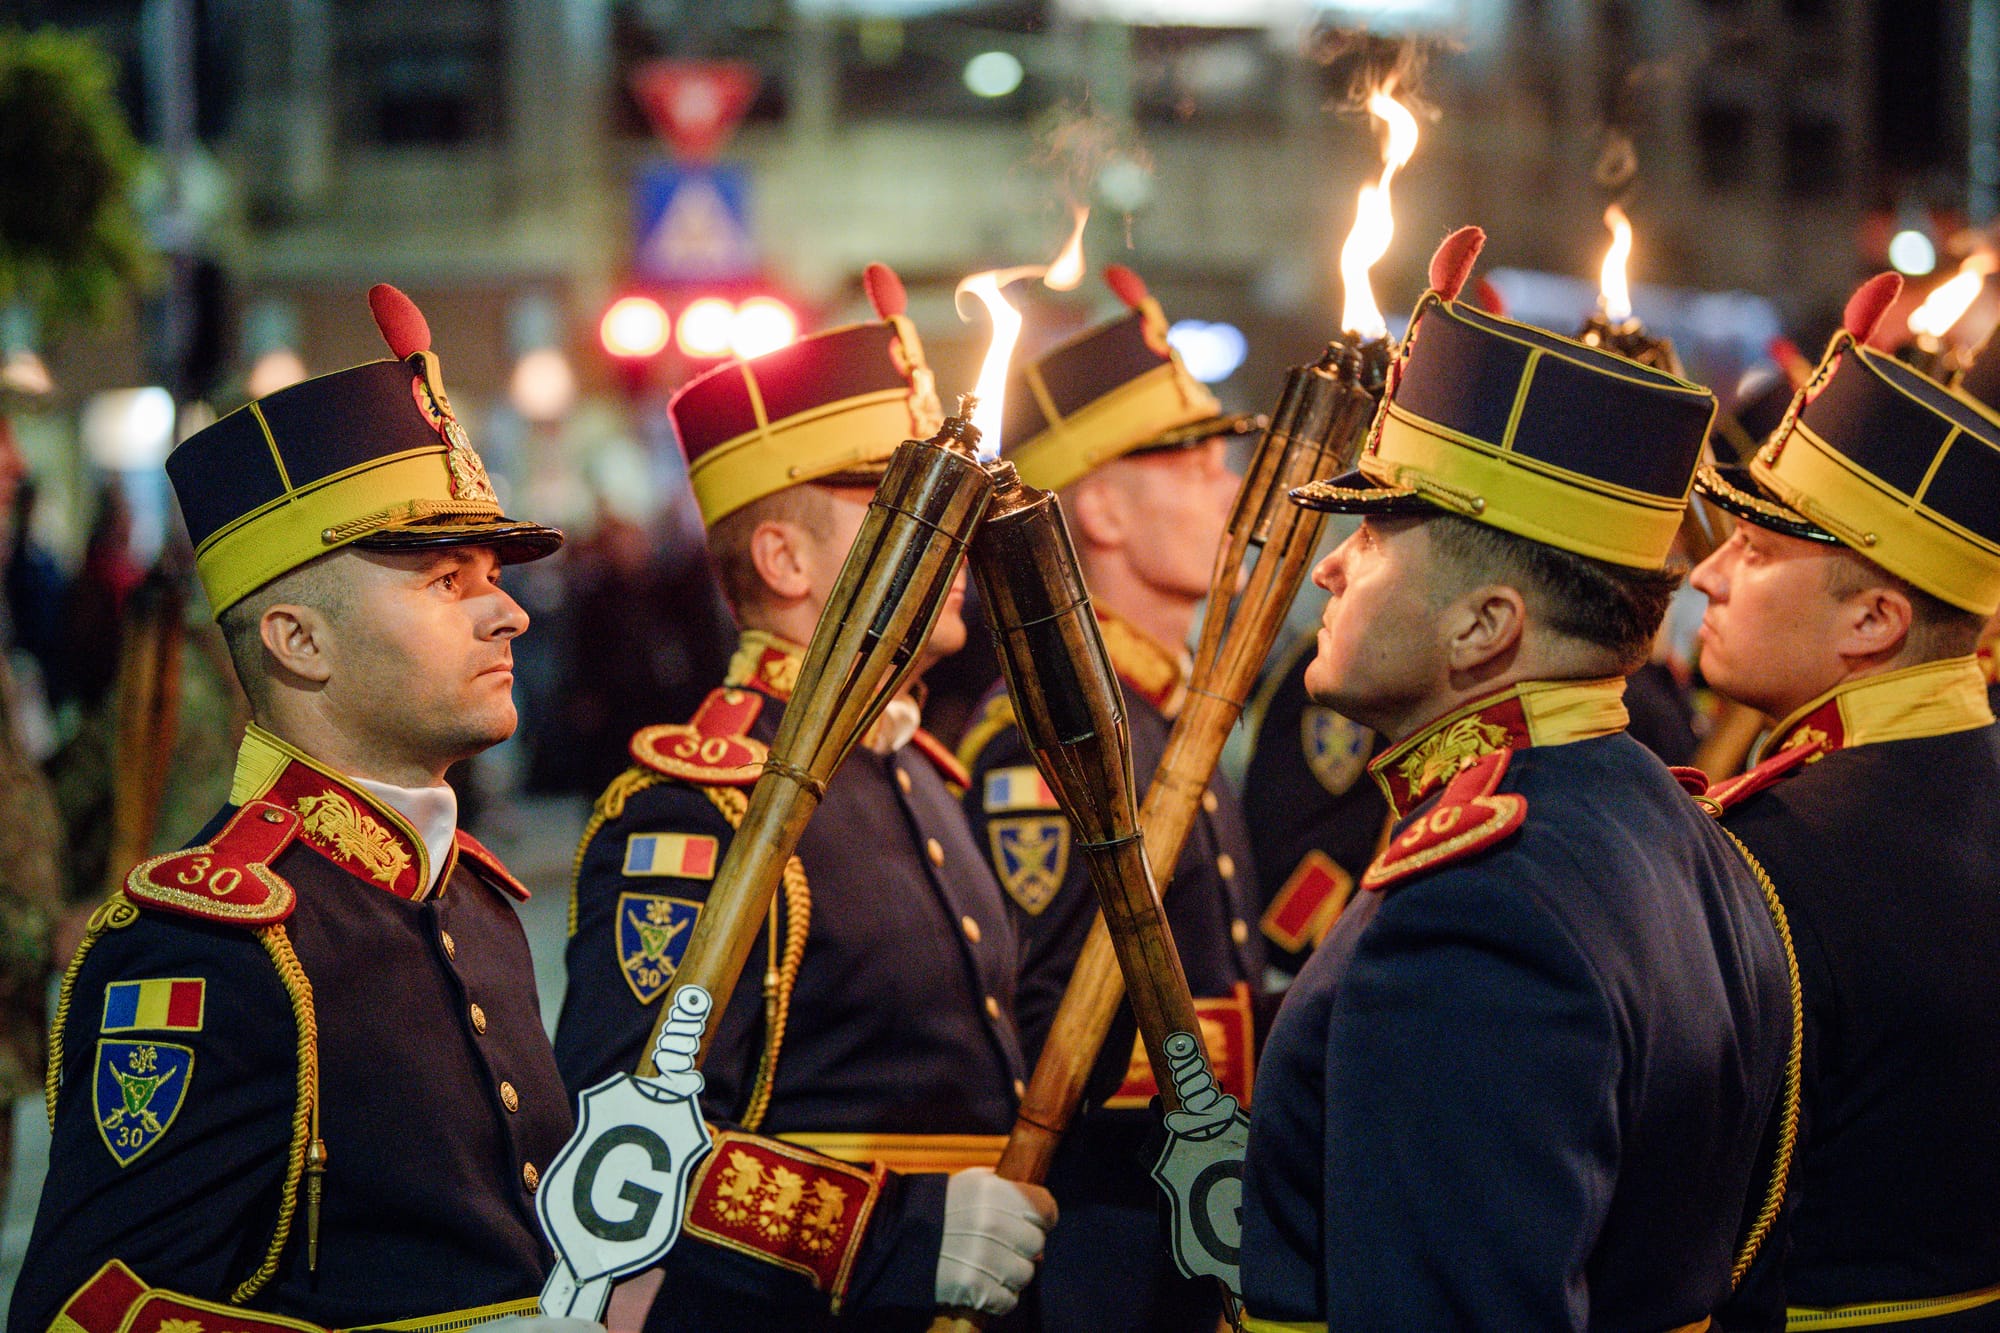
538 1323
993 1233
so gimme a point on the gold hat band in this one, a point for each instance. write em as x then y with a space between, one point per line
837 437
303 524
1523 495
1128 418
1896 531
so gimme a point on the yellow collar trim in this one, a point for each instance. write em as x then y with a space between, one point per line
1143 662
1535 713
263 758
768 661
1930 699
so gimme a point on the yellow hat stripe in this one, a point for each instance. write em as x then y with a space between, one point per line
271 443
1128 418
1525 496
1894 530
289 531
801 448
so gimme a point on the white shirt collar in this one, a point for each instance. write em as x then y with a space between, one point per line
432 812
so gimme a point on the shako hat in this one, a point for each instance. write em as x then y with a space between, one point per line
829 407
1112 390
1876 456
1519 428
370 456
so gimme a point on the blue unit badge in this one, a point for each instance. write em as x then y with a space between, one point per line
1336 748
1030 856
652 936
139 1089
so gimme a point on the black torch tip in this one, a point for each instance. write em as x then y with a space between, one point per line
958 428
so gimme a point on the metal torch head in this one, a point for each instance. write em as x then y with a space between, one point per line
1066 695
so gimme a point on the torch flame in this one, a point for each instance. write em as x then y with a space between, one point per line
1374 224
992 386
1067 270
1614 296
1947 304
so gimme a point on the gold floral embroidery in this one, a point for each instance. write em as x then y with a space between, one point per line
1442 756
820 1227
355 835
1805 737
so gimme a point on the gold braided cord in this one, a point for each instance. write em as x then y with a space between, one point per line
413 511
784 976
1795 1060
114 913
305 1110
609 806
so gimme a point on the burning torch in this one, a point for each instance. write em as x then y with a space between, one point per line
1612 325
1946 305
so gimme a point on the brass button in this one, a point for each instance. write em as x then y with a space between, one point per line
935 850
1020 1088
1208 802
1225 866
530 1177
478 1019
508 1097
273 817
903 781
1239 930
450 947
992 1007
970 927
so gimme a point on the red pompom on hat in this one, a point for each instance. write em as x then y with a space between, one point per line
1452 264
1129 286
1488 298
403 325
1871 300
885 290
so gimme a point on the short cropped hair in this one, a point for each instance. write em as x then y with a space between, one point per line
315 584
1613 607
1937 628
809 507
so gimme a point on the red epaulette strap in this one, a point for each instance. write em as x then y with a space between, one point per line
712 748
116 1301
941 755
1731 792
1467 819
786 1206
227 879
475 851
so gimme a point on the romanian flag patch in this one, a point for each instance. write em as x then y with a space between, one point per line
1021 788
162 1004
673 855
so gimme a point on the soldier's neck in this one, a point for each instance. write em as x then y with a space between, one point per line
347 751
1163 615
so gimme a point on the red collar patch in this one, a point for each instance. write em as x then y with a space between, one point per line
228 878
1411 771
350 830
941 755
1732 792
713 748
471 849
1818 732
1467 819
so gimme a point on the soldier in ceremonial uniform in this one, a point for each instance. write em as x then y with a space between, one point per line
1523 1082
1849 604
1138 449
870 1045
298 1076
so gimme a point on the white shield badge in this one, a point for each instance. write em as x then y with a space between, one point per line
1201 1171
612 1200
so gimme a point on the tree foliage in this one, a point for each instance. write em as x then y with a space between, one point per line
70 238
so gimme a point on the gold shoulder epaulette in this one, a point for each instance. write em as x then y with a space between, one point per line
713 748
227 879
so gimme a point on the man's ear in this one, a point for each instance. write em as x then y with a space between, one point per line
1875 622
779 555
299 639
1097 512
1483 628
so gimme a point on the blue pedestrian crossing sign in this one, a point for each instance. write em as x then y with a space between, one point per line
692 223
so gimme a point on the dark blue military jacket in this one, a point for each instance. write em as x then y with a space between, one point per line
1878 821
899 1018
1101 1175
1523 1083
182 1116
